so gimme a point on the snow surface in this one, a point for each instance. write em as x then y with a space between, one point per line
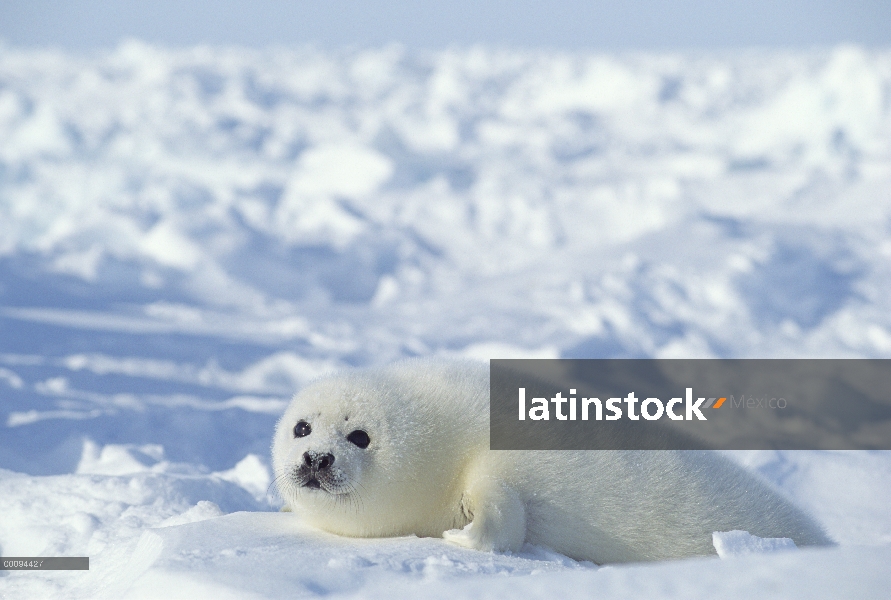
187 237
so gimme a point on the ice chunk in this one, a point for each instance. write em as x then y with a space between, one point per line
738 543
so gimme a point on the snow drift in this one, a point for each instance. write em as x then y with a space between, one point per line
188 236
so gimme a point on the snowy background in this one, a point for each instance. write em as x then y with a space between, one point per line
188 236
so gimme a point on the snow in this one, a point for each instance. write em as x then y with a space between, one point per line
189 236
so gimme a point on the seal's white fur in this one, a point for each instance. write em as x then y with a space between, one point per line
428 471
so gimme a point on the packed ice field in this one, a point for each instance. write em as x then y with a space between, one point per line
188 236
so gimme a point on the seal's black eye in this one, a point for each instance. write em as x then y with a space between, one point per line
360 438
302 429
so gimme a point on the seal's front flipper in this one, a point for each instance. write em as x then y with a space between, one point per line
499 519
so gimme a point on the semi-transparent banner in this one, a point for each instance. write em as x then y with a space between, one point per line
654 404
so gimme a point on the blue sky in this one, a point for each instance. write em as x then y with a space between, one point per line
568 24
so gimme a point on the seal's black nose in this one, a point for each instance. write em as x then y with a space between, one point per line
318 461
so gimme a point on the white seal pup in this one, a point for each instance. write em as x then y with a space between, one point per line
405 450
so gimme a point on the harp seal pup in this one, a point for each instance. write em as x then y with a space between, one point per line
404 450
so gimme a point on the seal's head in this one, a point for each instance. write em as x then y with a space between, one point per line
377 453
